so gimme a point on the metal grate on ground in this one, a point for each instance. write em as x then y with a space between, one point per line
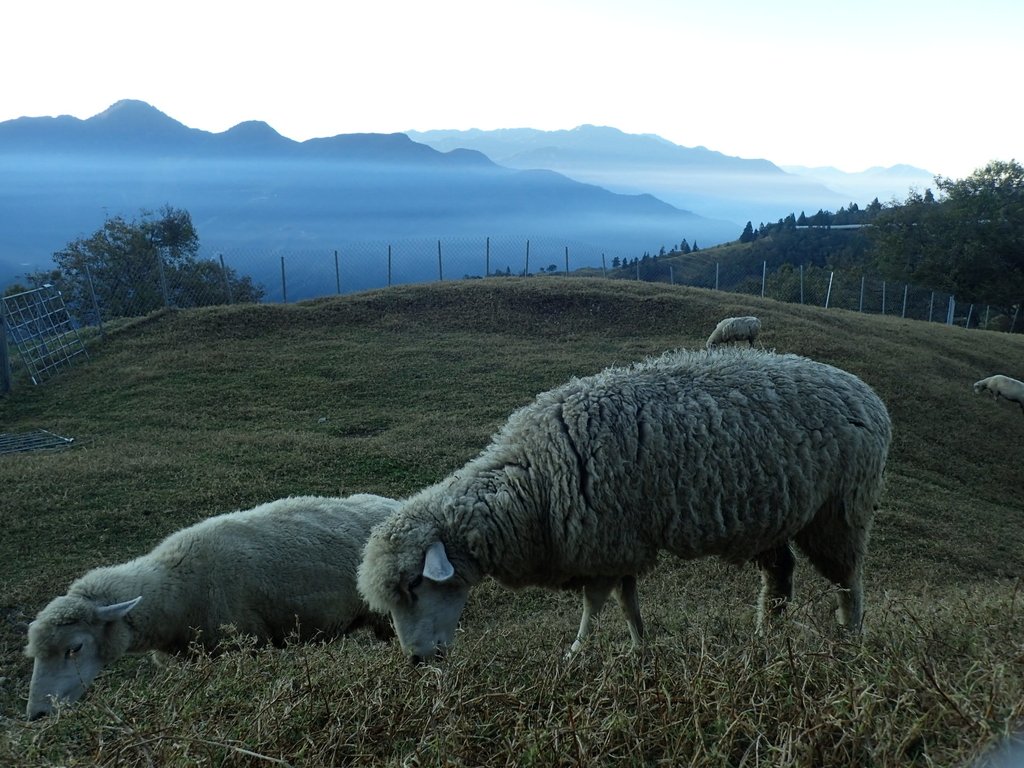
41 328
36 440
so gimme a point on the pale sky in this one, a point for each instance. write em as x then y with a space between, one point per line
930 83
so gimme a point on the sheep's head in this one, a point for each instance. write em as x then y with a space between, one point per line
70 642
418 586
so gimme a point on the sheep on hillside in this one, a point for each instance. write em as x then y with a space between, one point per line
1002 386
733 453
288 566
735 329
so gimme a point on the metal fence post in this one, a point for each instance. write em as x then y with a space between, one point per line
931 306
487 258
337 272
801 283
904 301
764 275
883 297
861 308
163 278
6 383
828 294
604 271
284 285
440 272
95 303
950 310
389 265
527 258
567 261
717 265
671 275
224 274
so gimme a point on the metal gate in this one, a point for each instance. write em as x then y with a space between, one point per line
38 324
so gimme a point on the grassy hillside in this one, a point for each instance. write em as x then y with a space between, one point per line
194 413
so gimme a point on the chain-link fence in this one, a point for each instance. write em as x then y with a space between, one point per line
836 289
295 274
97 295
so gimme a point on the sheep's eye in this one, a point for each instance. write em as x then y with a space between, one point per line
73 651
416 581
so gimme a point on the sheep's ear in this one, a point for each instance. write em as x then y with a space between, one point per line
436 566
117 610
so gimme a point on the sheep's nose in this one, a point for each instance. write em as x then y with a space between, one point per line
438 654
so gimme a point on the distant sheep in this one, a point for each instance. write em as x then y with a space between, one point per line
285 566
732 453
1004 387
735 329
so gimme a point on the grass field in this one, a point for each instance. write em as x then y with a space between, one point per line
193 413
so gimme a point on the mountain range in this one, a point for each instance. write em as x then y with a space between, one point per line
251 190
694 178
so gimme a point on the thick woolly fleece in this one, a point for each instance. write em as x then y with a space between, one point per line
728 453
1002 386
735 329
283 567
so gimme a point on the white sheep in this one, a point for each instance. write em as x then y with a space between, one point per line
732 453
735 329
288 566
1004 387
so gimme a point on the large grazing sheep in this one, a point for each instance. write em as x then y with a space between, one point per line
1002 386
735 329
285 567
732 453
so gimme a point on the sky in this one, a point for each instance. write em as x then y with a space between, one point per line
929 83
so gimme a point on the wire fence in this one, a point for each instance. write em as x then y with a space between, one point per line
99 295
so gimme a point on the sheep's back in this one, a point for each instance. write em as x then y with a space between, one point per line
263 569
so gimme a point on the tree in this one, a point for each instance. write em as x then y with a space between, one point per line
970 241
747 235
134 267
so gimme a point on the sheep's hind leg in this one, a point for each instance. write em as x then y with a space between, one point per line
837 550
625 593
776 582
595 595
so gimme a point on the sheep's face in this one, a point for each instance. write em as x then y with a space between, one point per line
428 606
63 672
67 645
426 625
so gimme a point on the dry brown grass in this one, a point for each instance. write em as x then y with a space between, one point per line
199 412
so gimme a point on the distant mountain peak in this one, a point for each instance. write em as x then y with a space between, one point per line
134 124
132 110
253 129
